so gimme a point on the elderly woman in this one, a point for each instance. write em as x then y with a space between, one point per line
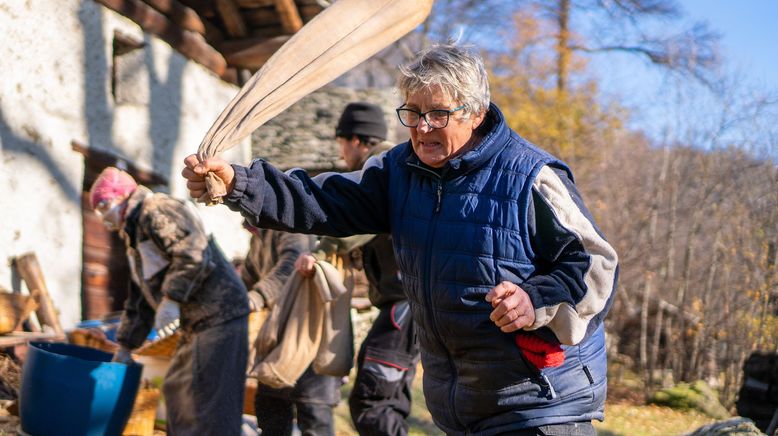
507 275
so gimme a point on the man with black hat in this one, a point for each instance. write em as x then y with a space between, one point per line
381 398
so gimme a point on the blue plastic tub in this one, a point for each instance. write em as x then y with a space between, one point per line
72 390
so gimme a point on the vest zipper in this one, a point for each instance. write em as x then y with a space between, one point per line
439 191
427 294
438 186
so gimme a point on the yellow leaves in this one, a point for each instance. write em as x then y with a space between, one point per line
569 125
569 122
697 305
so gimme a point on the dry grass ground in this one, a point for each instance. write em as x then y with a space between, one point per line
648 420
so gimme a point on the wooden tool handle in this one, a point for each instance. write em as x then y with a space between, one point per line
30 271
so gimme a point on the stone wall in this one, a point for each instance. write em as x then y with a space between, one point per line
304 135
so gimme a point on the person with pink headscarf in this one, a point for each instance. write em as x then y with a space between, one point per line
180 280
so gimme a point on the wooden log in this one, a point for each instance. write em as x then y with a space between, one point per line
251 53
255 3
261 17
30 271
231 17
190 44
307 12
290 16
184 16
270 31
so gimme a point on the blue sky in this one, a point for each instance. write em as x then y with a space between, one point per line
749 46
749 35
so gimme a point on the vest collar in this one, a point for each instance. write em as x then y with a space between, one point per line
495 138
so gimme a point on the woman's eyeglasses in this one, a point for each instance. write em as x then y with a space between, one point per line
436 119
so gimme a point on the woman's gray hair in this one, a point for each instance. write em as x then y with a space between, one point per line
459 72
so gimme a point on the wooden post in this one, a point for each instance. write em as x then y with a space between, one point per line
30 271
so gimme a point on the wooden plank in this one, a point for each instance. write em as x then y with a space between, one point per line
206 13
261 17
290 16
267 32
231 75
204 8
188 43
213 33
233 21
307 12
30 271
20 338
251 53
255 3
105 159
184 16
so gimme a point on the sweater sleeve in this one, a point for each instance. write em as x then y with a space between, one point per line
576 267
289 247
136 320
335 204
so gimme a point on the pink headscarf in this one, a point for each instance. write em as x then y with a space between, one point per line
112 183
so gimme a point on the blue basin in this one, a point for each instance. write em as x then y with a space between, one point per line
72 390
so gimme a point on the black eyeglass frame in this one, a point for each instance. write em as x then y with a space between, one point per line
424 116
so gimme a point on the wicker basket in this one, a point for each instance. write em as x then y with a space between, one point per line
144 412
14 309
163 347
166 347
93 338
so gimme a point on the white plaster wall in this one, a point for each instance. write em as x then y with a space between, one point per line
56 60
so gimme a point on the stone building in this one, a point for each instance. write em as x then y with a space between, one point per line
92 83
304 135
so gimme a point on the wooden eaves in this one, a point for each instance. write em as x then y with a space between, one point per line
225 36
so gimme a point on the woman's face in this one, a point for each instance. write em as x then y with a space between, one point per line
436 146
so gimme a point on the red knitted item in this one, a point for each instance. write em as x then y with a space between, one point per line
540 353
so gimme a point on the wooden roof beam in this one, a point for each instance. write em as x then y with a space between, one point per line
255 3
251 53
290 16
184 16
188 43
233 21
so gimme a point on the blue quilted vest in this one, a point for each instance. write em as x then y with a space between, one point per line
456 236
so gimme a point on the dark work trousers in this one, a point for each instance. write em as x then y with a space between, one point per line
381 399
203 390
313 398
